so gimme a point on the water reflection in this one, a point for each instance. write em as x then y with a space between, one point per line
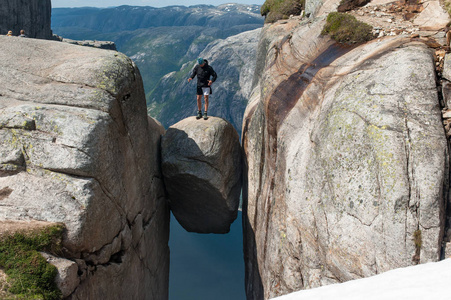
206 266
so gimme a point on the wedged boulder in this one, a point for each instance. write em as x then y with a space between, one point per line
77 147
201 162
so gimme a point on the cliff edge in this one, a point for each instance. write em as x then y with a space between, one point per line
77 147
31 15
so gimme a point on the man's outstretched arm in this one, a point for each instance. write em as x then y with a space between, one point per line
193 74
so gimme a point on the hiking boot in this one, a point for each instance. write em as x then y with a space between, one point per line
205 115
199 115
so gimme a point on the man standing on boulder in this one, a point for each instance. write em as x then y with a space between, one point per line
203 72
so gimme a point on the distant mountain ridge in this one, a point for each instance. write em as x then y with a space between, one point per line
136 17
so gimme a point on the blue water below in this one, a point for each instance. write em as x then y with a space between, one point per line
206 266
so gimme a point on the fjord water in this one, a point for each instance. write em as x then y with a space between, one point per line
206 266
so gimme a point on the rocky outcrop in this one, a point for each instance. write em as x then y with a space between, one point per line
233 59
96 44
201 162
33 16
347 160
396 18
77 147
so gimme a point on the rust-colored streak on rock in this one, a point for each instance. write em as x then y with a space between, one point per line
289 91
278 47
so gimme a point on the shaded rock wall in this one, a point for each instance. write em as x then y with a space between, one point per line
347 160
77 147
446 92
31 15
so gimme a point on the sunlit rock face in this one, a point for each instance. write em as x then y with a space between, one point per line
33 16
346 160
76 147
201 162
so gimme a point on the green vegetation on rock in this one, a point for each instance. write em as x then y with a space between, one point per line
346 29
274 10
417 239
29 274
447 4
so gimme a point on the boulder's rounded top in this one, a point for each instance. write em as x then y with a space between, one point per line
201 137
191 122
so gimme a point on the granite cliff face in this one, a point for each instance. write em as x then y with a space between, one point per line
31 15
77 147
347 159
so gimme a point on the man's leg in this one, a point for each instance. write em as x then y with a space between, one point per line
206 102
199 102
206 107
199 107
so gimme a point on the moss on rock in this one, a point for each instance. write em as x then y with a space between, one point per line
447 4
274 10
29 274
346 29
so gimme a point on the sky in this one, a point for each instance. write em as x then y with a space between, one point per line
155 3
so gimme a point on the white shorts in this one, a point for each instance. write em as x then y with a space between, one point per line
206 91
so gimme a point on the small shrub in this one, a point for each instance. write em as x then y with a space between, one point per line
448 7
274 10
346 29
417 239
29 274
274 17
347 5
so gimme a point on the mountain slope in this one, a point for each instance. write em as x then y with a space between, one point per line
129 18
159 40
233 59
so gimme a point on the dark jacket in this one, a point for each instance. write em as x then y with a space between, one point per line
203 74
